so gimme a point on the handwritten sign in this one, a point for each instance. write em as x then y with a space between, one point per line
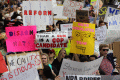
3 66
111 12
70 8
67 27
70 67
20 38
114 22
112 36
83 41
100 33
52 39
82 77
27 71
14 61
37 13
58 10
82 16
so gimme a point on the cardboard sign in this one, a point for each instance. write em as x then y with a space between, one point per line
82 77
92 20
82 16
48 40
27 71
101 33
58 10
83 41
67 27
116 51
37 13
70 8
20 38
111 12
114 22
14 61
112 36
70 67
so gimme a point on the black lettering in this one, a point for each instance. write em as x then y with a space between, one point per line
80 78
11 63
47 40
31 32
19 61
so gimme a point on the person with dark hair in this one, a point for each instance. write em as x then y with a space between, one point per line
101 23
68 57
92 57
84 59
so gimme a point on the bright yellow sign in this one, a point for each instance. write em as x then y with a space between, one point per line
83 38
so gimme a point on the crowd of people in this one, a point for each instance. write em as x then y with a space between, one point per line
11 15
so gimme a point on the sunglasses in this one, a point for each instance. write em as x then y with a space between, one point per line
105 49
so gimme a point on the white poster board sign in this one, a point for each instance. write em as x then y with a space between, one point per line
82 77
28 71
100 33
111 12
37 13
16 60
112 36
70 7
69 67
67 27
58 10
114 22
55 39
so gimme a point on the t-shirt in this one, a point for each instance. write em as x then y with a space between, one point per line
106 66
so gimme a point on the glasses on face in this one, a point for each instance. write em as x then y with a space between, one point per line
105 49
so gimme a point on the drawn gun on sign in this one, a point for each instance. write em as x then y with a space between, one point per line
81 48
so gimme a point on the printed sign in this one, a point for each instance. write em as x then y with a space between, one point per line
70 8
14 61
100 33
112 36
27 71
20 38
67 27
58 10
111 12
70 67
37 13
82 77
83 41
82 16
114 22
52 39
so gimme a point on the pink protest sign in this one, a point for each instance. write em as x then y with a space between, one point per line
20 38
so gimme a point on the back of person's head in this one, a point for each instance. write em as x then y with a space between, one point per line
94 56
68 57
102 45
84 59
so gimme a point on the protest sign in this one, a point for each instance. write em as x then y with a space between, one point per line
58 10
14 61
111 12
3 66
82 16
20 38
96 49
92 20
103 11
110 77
100 33
70 67
67 27
37 13
116 51
70 7
52 39
27 71
83 41
112 36
82 77
114 22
